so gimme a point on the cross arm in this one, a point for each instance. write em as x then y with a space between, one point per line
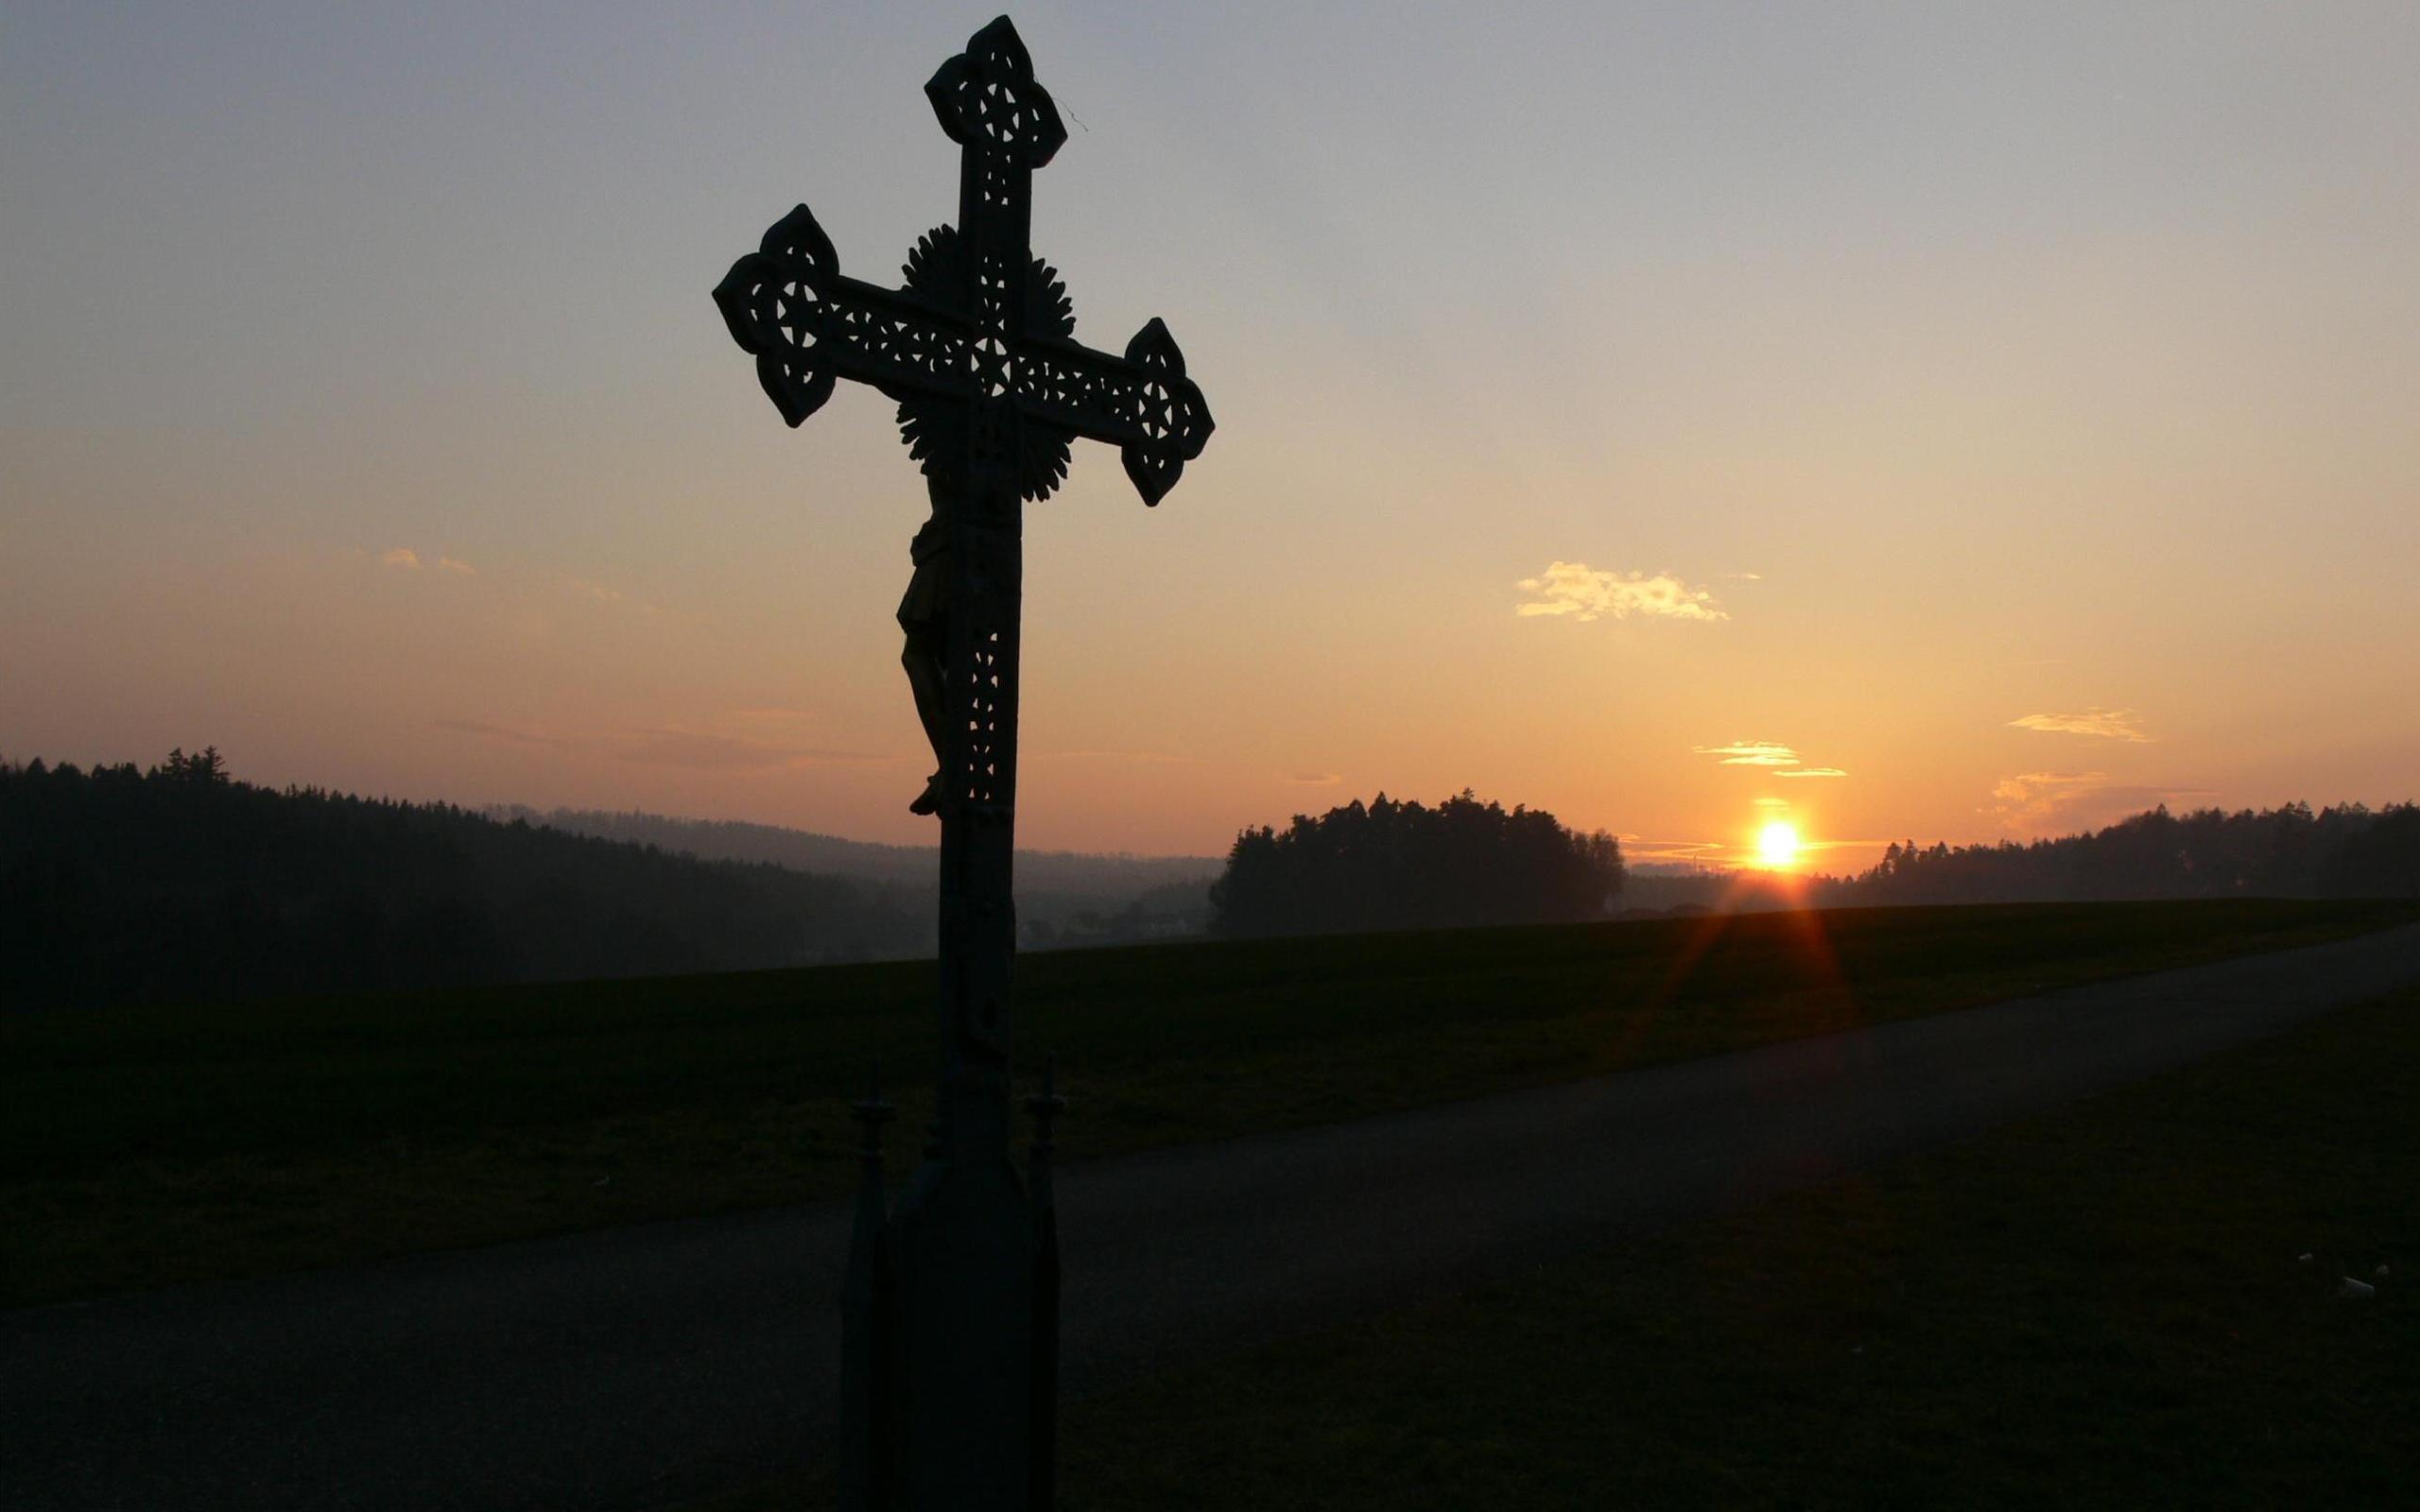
1142 403
806 323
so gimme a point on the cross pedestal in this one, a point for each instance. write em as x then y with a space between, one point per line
950 1338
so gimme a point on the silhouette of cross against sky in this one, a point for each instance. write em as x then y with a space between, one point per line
2001 413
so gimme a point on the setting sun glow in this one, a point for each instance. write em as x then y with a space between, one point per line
1777 844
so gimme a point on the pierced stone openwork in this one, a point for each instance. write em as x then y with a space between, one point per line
987 98
974 325
984 690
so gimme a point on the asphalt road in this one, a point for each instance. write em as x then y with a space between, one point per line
637 1366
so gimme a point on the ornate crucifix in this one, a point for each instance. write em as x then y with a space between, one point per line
951 1326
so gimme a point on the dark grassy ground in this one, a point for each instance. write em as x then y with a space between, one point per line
2102 1307
145 1146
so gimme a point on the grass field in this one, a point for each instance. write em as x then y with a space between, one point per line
145 1146
2102 1307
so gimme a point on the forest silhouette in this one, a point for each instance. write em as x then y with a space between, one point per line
1387 864
2345 852
119 885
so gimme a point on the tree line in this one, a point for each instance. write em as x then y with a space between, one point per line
1385 865
2346 851
119 885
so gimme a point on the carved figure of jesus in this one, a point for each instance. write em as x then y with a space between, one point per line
924 624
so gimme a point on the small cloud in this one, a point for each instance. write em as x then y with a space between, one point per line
401 557
1316 778
597 591
1751 753
1575 589
1745 578
2106 724
1769 801
456 564
1812 771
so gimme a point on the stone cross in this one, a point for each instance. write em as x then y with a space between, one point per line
950 1344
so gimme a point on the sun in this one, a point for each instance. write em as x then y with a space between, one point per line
1777 844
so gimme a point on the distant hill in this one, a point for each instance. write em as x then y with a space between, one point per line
179 883
1108 876
1064 896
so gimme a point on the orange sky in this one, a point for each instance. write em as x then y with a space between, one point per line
1917 425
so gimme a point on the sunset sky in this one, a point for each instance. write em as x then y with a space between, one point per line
1947 422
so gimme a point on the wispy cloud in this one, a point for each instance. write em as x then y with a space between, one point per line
2032 791
2077 797
500 733
1316 778
2106 724
697 751
688 749
1771 756
609 596
1745 578
1751 753
1147 757
411 560
1575 589
1639 848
